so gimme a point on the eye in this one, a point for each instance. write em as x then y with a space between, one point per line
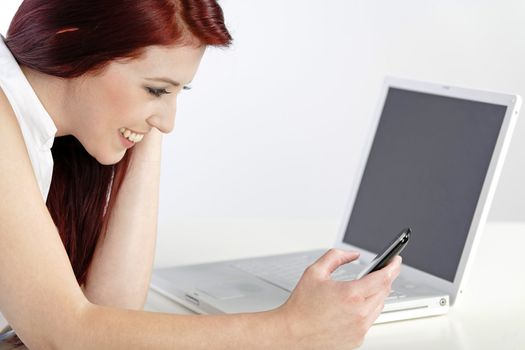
186 87
157 92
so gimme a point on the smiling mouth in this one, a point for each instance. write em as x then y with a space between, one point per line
130 135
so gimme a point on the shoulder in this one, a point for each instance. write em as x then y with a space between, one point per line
13 151
4 103
10 128
6 111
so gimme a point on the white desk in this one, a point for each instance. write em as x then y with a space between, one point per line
489 315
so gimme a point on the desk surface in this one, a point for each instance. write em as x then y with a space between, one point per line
489 315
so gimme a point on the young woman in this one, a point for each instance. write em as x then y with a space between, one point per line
87 88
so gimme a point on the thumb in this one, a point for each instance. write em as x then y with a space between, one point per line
332 259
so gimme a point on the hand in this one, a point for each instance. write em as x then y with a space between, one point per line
149 149
326 314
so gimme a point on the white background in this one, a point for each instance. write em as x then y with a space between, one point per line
267 142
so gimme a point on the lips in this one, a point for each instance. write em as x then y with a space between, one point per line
125 142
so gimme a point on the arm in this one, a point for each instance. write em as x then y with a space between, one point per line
320 314
120 272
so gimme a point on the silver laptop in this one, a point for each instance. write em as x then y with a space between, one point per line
432 163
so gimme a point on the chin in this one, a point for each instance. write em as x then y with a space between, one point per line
108 158
103 153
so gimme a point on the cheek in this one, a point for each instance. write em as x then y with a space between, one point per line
121 104
117 98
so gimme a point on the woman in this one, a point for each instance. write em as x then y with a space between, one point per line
87 90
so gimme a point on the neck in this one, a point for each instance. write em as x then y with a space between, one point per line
51 92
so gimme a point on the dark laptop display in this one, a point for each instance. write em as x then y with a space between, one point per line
426 169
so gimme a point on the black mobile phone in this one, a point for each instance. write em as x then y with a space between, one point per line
392 249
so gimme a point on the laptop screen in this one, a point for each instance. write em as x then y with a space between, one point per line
425 170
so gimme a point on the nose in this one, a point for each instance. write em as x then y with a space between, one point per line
163 121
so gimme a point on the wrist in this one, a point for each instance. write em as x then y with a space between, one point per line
283 334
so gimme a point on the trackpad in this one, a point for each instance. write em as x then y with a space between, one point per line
229 289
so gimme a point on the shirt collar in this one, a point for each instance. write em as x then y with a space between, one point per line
26 102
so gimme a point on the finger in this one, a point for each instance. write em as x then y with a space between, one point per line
332 259
393 267
395 262
377 281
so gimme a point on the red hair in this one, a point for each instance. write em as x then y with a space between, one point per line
69 38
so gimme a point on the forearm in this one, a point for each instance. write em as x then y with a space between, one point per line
120 271
111 328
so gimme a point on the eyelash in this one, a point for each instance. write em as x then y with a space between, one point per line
157 92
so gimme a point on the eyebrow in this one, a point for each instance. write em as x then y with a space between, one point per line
166 80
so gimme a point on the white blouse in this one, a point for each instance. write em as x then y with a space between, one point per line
37 127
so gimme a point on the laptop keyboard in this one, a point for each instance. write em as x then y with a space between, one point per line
282 272
285 271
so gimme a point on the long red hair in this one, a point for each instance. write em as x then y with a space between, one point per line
69 38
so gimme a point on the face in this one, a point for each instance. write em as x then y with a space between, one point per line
112 111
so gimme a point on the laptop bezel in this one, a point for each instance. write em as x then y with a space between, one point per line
513 103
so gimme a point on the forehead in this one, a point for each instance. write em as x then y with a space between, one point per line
176 62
